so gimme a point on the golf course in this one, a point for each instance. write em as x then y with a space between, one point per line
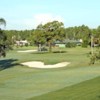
50 50
76 81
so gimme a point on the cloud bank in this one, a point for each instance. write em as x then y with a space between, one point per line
33 21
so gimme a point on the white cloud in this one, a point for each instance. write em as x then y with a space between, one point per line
46 17
32 22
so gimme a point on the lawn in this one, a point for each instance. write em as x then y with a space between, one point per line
19 82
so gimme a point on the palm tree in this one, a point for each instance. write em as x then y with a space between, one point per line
2 39
2 22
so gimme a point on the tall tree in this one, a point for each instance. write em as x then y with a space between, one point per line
39 38
53 31
49 33
3 38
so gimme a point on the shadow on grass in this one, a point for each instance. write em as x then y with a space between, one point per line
8 63
99 97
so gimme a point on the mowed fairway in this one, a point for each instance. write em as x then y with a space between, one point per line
88 90
19 82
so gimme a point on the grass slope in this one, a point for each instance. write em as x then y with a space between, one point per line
88 90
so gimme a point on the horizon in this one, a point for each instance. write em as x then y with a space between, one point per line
27 14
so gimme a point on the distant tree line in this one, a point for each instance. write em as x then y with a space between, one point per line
54 31
51 32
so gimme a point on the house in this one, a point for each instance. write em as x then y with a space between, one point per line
22 43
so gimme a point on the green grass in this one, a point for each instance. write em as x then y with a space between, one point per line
19 82
88 90
72 55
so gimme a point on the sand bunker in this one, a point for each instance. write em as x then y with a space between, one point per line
28 51
37 64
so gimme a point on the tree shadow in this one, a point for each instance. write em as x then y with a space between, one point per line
8 63
99 97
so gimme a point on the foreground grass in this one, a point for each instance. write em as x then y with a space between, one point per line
88 90
21 83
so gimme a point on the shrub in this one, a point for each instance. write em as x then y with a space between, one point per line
70 44
44 49
85 44
94 57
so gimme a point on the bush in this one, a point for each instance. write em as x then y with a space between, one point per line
94 57
70 44
85 44
44 49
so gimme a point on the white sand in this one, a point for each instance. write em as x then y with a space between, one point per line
28 51
37 64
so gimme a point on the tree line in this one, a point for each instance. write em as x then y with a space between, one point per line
54 31
49 33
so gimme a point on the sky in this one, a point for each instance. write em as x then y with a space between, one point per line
28 14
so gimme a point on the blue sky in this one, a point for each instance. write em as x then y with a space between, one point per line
27 14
